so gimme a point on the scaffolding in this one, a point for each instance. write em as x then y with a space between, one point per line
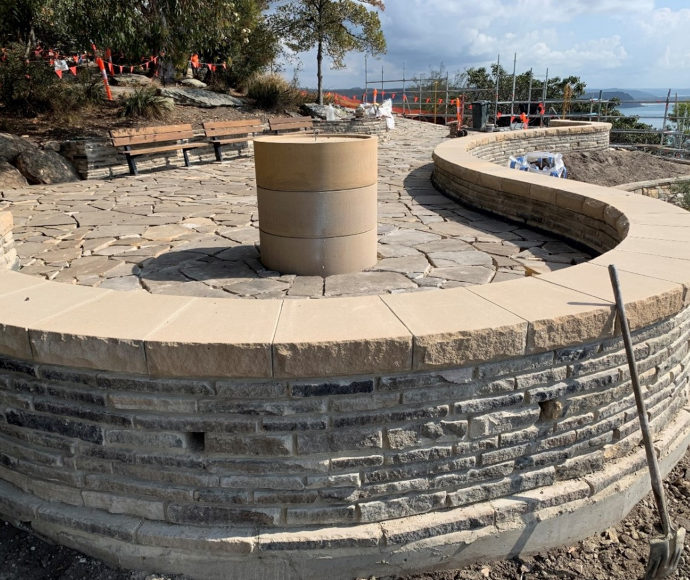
435 99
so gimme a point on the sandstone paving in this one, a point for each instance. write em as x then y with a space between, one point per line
195 232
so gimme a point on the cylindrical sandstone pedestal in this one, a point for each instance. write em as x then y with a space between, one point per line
317 202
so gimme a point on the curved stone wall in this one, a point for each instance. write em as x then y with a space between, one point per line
354 436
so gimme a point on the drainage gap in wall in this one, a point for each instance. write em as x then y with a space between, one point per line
550 410
196 441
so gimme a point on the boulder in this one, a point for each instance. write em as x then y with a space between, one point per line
45 167
131 80
10 176
200 97
12 145
194 83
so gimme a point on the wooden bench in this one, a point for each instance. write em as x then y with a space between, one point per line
138 142
282 124
221 133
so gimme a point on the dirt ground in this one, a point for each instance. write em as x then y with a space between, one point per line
618 166
618 553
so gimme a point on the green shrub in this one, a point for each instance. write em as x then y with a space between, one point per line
147 103
273 92
28 87
32 87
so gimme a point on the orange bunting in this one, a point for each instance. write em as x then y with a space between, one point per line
499 115
110 68
393 95
131 69
195 61
440 101
428 100
416 99
404 97
73 70
58 73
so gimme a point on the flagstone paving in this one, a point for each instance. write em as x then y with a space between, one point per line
194 231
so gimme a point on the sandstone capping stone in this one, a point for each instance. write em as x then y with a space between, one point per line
339 336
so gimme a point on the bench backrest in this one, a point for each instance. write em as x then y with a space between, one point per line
226 128
290 123
125 137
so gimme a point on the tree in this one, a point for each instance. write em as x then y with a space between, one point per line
141 28
680 117
334 27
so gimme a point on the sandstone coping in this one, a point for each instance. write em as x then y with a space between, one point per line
171 336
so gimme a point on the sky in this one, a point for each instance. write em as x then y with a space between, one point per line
607 43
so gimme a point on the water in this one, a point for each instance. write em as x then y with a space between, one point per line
650 113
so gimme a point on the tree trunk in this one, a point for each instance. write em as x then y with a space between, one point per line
319 74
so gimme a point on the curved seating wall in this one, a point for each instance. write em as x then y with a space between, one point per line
354 436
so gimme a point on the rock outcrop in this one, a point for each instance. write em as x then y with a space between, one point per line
22 163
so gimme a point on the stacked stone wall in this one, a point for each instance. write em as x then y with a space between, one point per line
363 126
268 455
498 418
559 139
8 253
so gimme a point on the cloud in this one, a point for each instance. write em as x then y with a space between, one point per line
605 42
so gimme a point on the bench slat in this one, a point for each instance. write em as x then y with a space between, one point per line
152 138
229 124
237 130
285 123
149 130
161 148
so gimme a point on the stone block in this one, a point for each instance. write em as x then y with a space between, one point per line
214 515
150 510
489 404
217 540
342 440
261 446
321 515
61 426
401 507
503 421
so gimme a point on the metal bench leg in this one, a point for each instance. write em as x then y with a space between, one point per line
132 165
186 157
219 154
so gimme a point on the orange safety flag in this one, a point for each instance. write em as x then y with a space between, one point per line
376 92
540 108
121 68
73 70
131 69
416 99
110 68
58 72
404 97
195 61
428 100
440 101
